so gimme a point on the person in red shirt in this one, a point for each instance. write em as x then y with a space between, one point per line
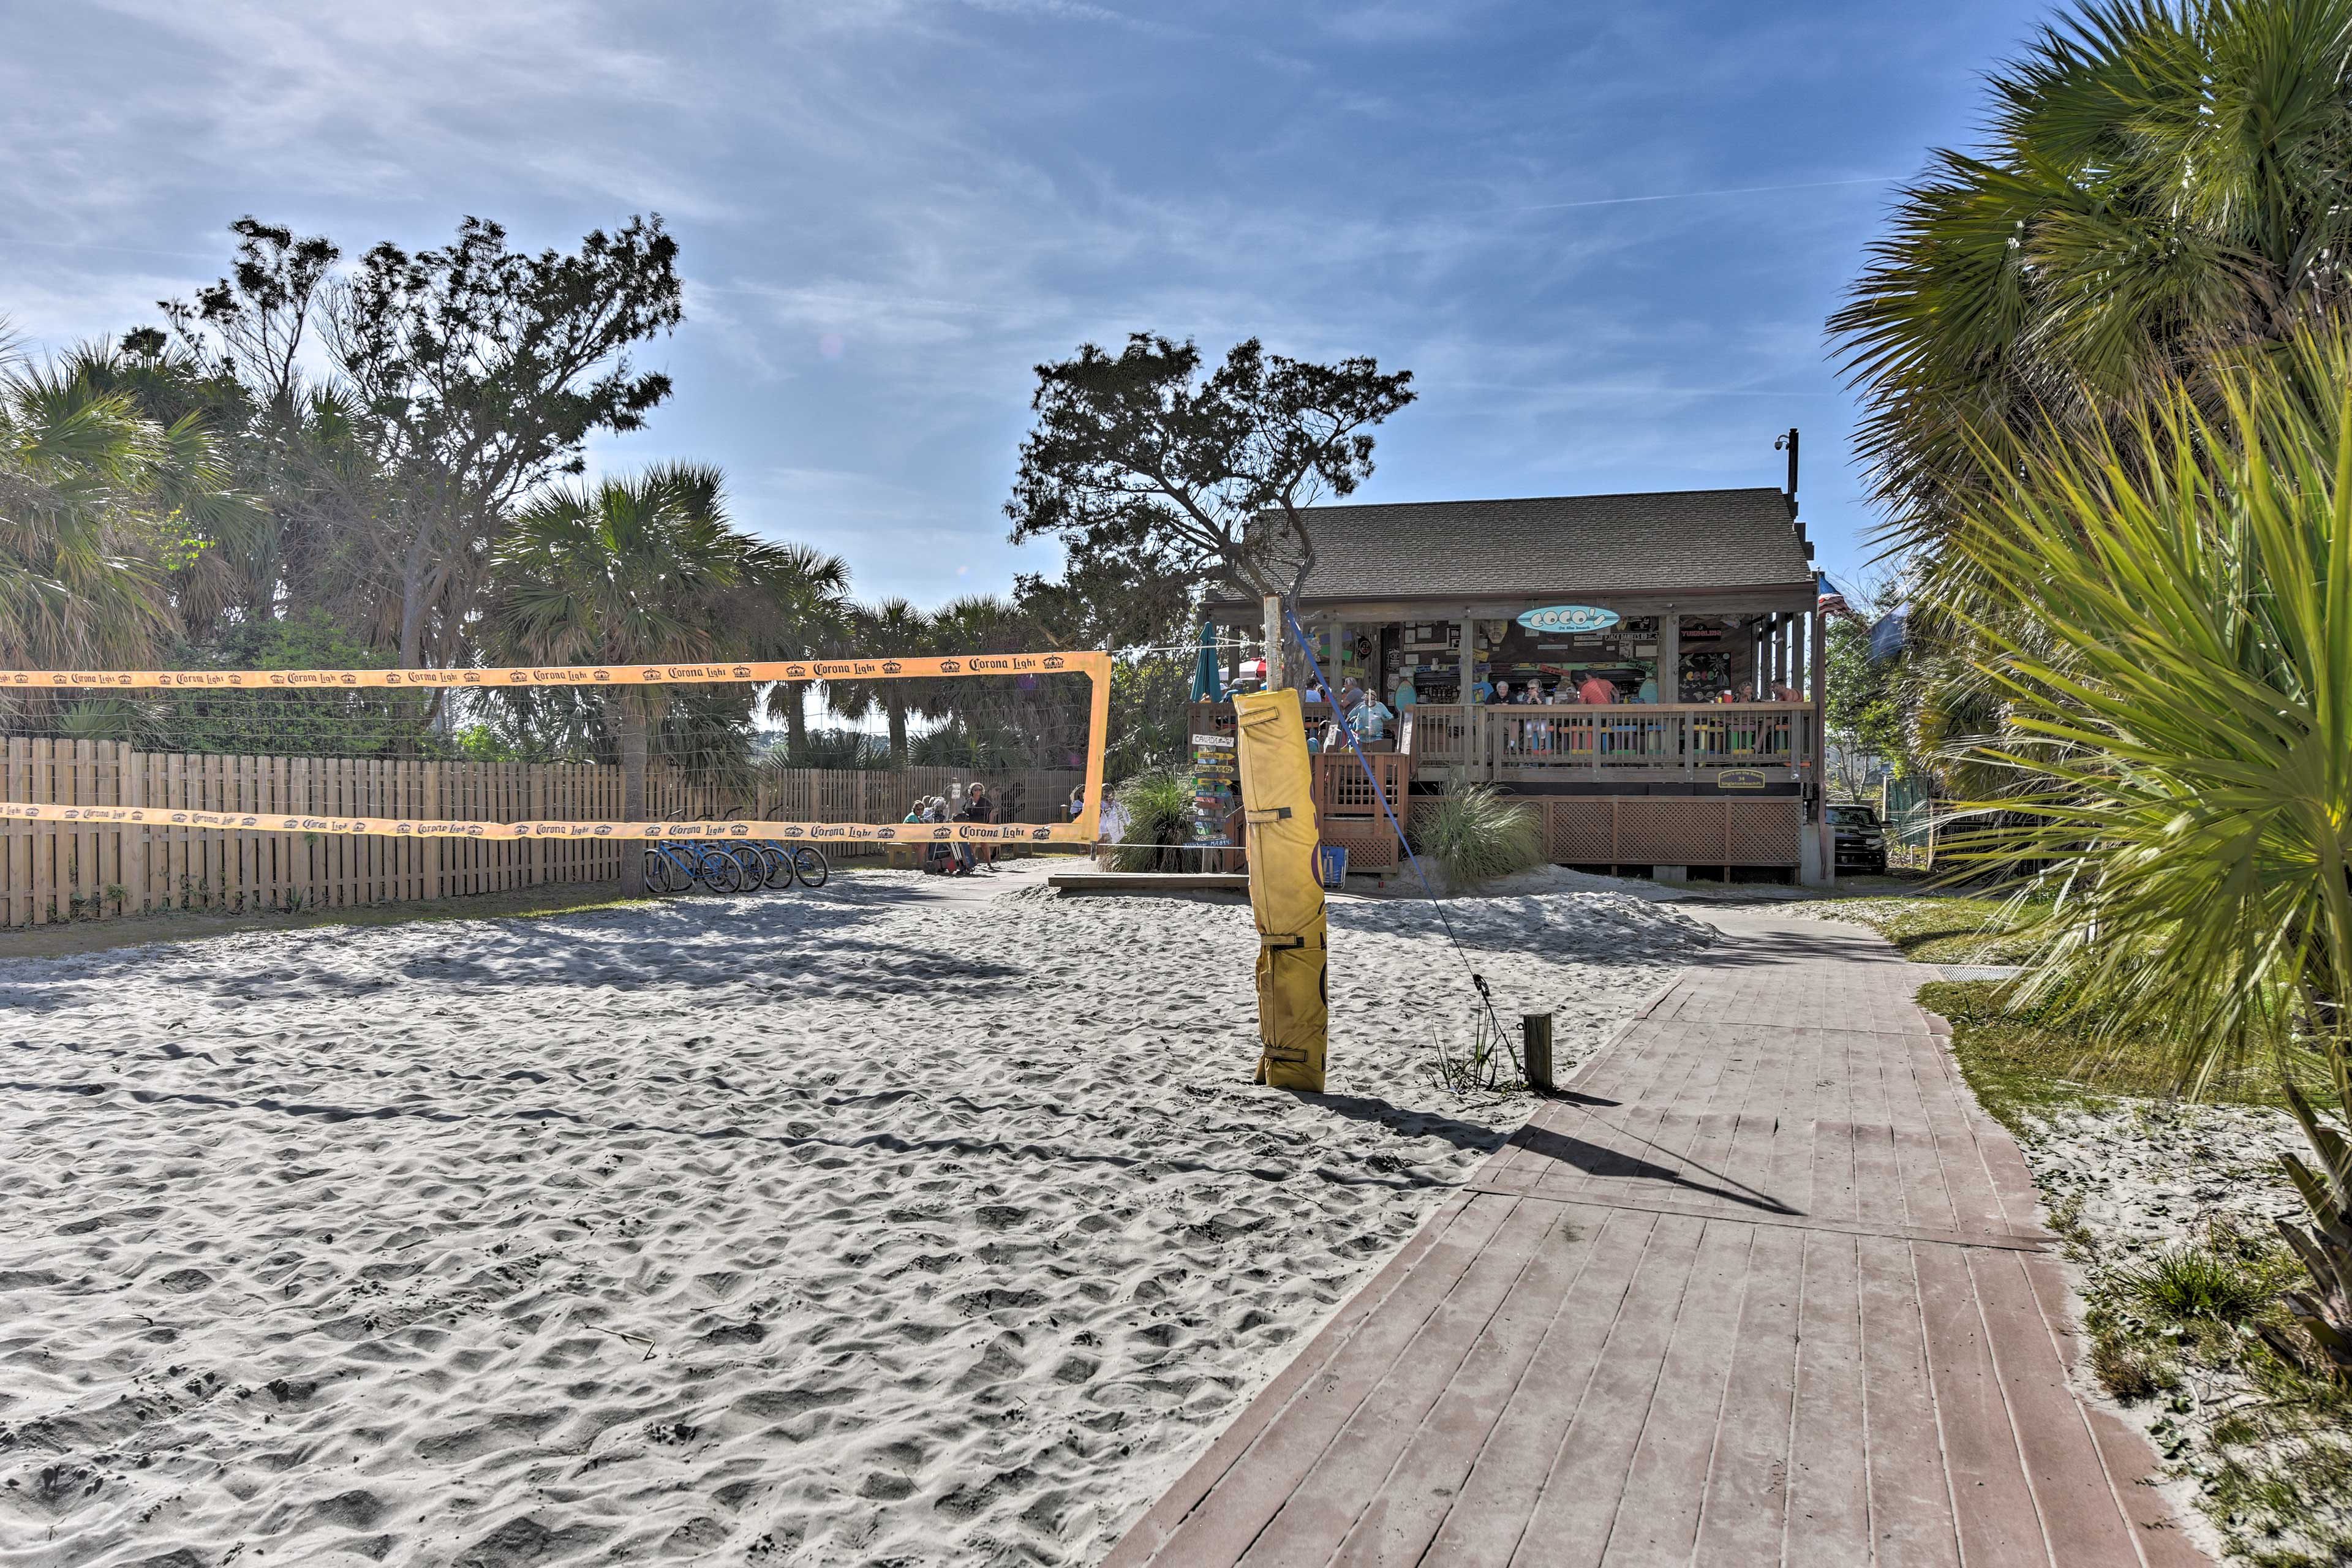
1595 690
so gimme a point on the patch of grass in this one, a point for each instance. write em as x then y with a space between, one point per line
2131 1372
1938 930
2041 1058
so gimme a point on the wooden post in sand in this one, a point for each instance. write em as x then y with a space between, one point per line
1535 1044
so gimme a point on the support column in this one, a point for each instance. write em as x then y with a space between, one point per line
1670 656
1817 682
1473 729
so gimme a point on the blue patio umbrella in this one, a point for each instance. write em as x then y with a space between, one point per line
1206 686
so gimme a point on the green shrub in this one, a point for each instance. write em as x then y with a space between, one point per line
1158 808
1476 835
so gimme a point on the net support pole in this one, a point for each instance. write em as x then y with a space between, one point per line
1097 674
1273 639
1535 1050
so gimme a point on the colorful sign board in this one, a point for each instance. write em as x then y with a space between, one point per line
1568 618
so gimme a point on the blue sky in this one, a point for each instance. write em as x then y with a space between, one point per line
1603 237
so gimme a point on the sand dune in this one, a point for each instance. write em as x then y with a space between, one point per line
825 1229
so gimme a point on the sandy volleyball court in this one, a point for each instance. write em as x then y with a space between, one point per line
845 1227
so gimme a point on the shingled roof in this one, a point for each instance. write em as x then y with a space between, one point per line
1581 546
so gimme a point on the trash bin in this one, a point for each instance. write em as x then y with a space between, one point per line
1331 860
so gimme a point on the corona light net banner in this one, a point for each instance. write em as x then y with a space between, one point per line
1095 668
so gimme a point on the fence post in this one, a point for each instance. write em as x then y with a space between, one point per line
433 846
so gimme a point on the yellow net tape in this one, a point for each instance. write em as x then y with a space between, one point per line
1096 667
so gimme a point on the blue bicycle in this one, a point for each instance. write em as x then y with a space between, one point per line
786 864
679 866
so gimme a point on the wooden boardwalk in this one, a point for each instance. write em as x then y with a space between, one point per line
1766 1287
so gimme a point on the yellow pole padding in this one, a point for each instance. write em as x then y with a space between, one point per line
1286 895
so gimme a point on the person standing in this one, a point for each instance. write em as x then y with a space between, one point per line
978 807
1596 689
1365 714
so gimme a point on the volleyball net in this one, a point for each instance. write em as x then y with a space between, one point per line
291 710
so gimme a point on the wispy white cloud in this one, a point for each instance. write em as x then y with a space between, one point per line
1604 237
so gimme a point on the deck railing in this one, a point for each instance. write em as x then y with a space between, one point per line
1515 742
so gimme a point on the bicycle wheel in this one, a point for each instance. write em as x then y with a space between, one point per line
720 872
663 874
751 871
808 865
776 867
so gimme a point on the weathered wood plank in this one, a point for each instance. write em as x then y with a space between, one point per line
1256 1487
1325 1504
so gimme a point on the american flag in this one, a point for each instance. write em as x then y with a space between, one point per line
1831 602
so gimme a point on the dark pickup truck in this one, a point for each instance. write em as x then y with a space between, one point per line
1861 840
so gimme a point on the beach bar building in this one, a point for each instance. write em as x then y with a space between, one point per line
1454 612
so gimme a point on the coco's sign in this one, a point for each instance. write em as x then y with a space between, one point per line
1568 618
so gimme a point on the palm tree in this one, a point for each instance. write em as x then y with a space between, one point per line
97 503
793 604
2182 719
993 723
630 570
2181 724
2164 183
894 627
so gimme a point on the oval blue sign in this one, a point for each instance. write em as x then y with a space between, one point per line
1568 618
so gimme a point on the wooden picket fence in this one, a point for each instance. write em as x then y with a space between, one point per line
58 873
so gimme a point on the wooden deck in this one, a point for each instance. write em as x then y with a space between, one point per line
1765 1286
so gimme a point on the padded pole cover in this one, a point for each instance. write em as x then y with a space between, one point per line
1277 792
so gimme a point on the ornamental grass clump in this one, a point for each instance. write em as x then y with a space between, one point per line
1159 808
1475 835
2197 1284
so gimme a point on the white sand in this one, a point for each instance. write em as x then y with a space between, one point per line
827 1228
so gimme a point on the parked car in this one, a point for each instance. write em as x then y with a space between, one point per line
1861 839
